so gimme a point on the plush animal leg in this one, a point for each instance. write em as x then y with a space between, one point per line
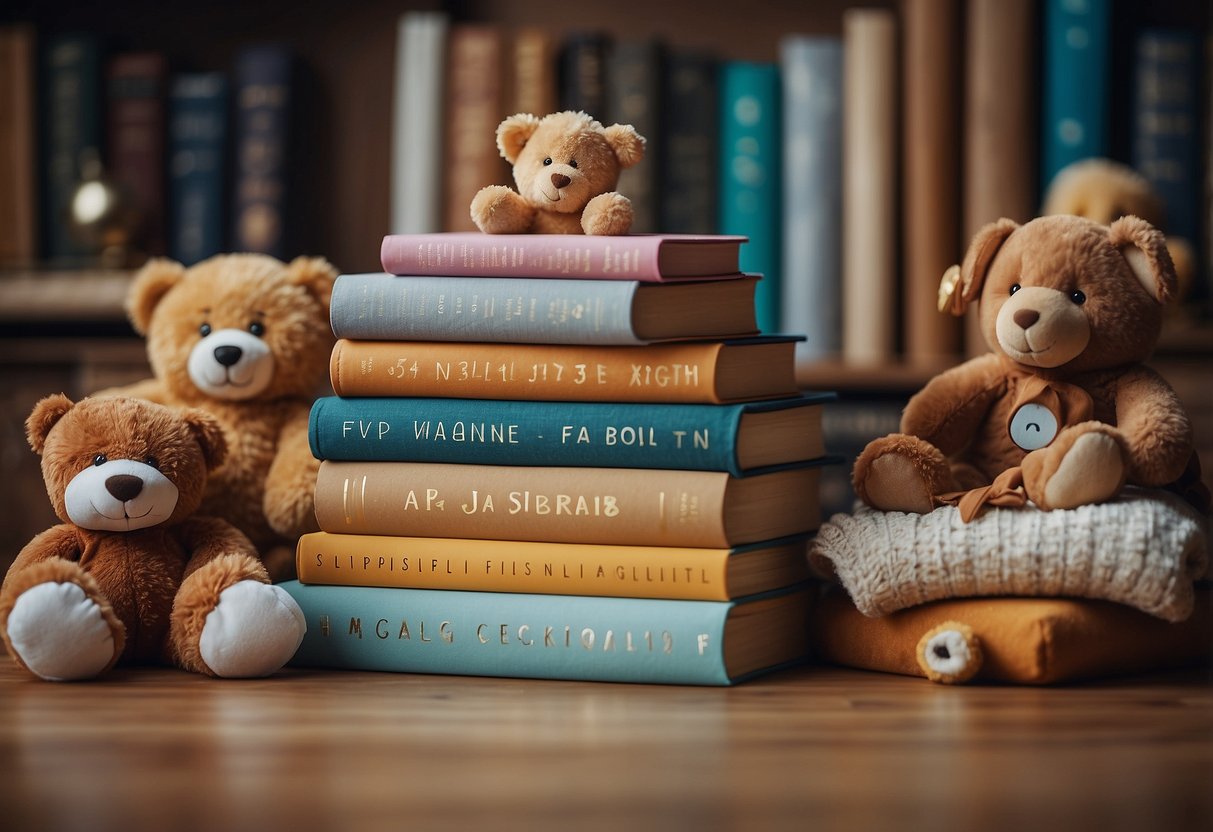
901 473
950 653
228 621
497 209
608 214
57 624
1086 463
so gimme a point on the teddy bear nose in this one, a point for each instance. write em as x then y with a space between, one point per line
1025 317
124 486
560 180
227 355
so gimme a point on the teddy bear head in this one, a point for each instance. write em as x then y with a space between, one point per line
564 160
1064 294
237 327
1104 191
121 464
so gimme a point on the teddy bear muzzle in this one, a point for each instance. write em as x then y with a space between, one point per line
1042 327
231 364
120 495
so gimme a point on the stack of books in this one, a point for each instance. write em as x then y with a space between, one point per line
559 457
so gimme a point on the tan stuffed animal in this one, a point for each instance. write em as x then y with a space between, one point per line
133 574
1062 413
566 166
246 338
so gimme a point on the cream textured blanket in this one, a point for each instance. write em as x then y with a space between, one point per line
1144 549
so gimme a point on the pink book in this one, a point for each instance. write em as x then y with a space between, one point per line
650 258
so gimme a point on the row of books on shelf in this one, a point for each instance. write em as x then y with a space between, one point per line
516 481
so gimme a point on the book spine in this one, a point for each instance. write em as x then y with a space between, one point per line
869 186
515 566
418 115
1074 114
655 373
812 194
583 73
688 151
71 135
633 70
475 93
1000 124
749 176
515 635
600 434
261 214
18 147
533 72
931 84
383 307
197 159
136 139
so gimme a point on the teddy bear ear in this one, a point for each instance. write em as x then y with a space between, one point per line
45 415
150 285
315 274
1145 250
514 133
626 142
209 434
982 249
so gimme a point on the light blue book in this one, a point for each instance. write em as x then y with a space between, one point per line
734 438
1074 118
550 636
750 196
812 193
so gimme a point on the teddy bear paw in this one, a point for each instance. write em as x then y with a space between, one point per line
497 209
253 630
1091 472
607 215
60 633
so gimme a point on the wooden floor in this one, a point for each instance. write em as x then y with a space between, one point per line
808 749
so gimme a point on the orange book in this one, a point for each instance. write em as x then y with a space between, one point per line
623 506
706 372
693 574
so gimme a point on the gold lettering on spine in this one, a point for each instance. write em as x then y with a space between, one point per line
404 631
324 625
355 627
547 637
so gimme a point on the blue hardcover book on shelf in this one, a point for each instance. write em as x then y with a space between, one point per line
197 160
263 101
1074 119
750 176
736 438
550 636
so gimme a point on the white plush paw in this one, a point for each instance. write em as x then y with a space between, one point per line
59 632
1091 472
253 630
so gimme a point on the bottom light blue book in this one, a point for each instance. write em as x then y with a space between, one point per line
551 636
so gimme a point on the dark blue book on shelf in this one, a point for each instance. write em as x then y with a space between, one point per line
263 103
1074 83
750 194
687 157
198 129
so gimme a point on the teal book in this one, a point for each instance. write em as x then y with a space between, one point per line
585 638
733 438
384 307
750 194
1075 83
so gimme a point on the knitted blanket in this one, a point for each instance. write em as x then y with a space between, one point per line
1144 549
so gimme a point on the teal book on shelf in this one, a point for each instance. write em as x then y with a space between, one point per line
750 194
1074 83
550 636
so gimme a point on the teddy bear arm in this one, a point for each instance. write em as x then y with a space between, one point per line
1156 430
608 214
208 538
62 541
497 209
290 485
949 409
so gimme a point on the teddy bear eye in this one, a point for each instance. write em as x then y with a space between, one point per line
1078 297
257 328
152 461
1015 287
204 330
547 161
572 163
100 459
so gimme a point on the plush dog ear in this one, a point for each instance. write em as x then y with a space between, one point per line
45 415
315 274
1145 250
148 288
627 144
985 245
209 434
514 133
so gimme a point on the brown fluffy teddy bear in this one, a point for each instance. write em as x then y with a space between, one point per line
133 574
566 166
1062 412
246 338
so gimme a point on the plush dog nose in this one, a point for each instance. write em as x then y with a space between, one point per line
1025 317
124 486
560 180
228 355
